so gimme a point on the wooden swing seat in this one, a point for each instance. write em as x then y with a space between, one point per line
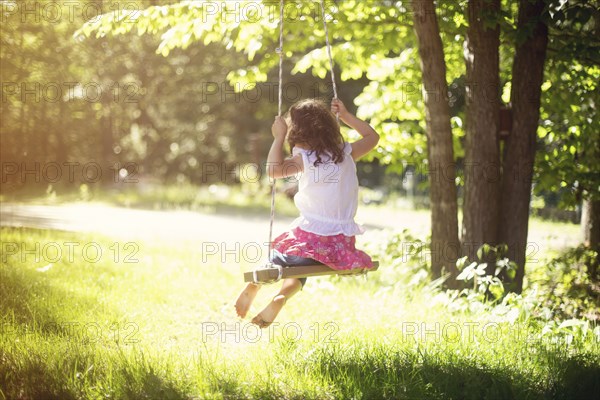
274 273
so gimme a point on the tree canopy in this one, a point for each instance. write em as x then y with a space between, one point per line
374 41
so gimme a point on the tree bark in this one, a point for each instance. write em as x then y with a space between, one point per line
590 222
482 162
445 246
590 226
520 145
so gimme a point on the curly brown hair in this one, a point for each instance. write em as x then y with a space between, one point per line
312 125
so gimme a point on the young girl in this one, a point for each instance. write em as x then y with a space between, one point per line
327 196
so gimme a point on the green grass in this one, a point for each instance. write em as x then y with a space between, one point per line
162 326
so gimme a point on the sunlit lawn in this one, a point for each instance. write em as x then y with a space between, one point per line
161 324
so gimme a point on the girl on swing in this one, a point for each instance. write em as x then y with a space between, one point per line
327 196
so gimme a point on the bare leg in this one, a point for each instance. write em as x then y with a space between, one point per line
245 299
289 288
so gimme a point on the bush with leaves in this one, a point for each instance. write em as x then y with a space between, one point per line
565 288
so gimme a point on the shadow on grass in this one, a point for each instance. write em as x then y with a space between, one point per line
389 375
31 381
141 381
579 378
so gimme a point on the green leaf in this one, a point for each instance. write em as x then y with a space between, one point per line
483 250
572 322
460 263
468 273
496 288
480 270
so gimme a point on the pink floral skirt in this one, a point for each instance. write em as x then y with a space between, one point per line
337 252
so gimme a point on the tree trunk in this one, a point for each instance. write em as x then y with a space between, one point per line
590 222
61 150
520 145
590 225
110 168
482 162
445 247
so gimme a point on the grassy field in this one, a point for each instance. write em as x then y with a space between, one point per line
90 317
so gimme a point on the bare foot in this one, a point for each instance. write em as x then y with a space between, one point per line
245 299
268 315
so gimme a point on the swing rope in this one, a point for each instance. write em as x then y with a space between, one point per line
280 51
335 96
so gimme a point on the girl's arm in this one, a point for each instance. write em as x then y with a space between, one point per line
277 166
370 138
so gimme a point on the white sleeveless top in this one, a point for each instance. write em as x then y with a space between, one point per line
327 195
